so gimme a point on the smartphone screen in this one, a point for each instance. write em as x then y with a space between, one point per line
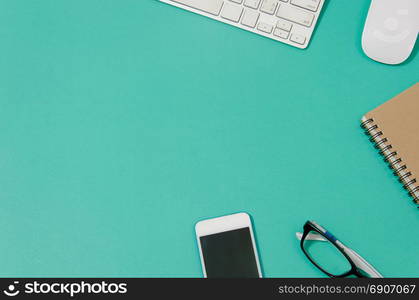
229 254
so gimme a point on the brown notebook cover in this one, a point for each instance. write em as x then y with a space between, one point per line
394 129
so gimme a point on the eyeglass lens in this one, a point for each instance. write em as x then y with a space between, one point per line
326 255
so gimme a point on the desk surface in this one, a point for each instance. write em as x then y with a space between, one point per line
124 123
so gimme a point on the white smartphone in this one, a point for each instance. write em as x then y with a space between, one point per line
227 247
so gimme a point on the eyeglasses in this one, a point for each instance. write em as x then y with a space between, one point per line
331 256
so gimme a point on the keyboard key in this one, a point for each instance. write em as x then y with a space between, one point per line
297 38
269 6
250 18
307 4
237 1
232 12
281 33
284 25
296 15
265 27
212 7
252 3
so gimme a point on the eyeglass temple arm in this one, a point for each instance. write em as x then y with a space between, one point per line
361 263
356 258
311 237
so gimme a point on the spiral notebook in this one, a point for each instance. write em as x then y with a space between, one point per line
394 129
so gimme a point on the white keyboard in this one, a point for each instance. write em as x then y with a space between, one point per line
288 21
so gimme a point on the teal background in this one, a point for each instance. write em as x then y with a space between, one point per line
122 123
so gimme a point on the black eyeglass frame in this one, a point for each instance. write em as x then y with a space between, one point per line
310 226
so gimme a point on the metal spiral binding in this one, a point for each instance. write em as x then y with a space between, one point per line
390 155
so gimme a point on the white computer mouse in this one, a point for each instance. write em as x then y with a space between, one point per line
391 30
